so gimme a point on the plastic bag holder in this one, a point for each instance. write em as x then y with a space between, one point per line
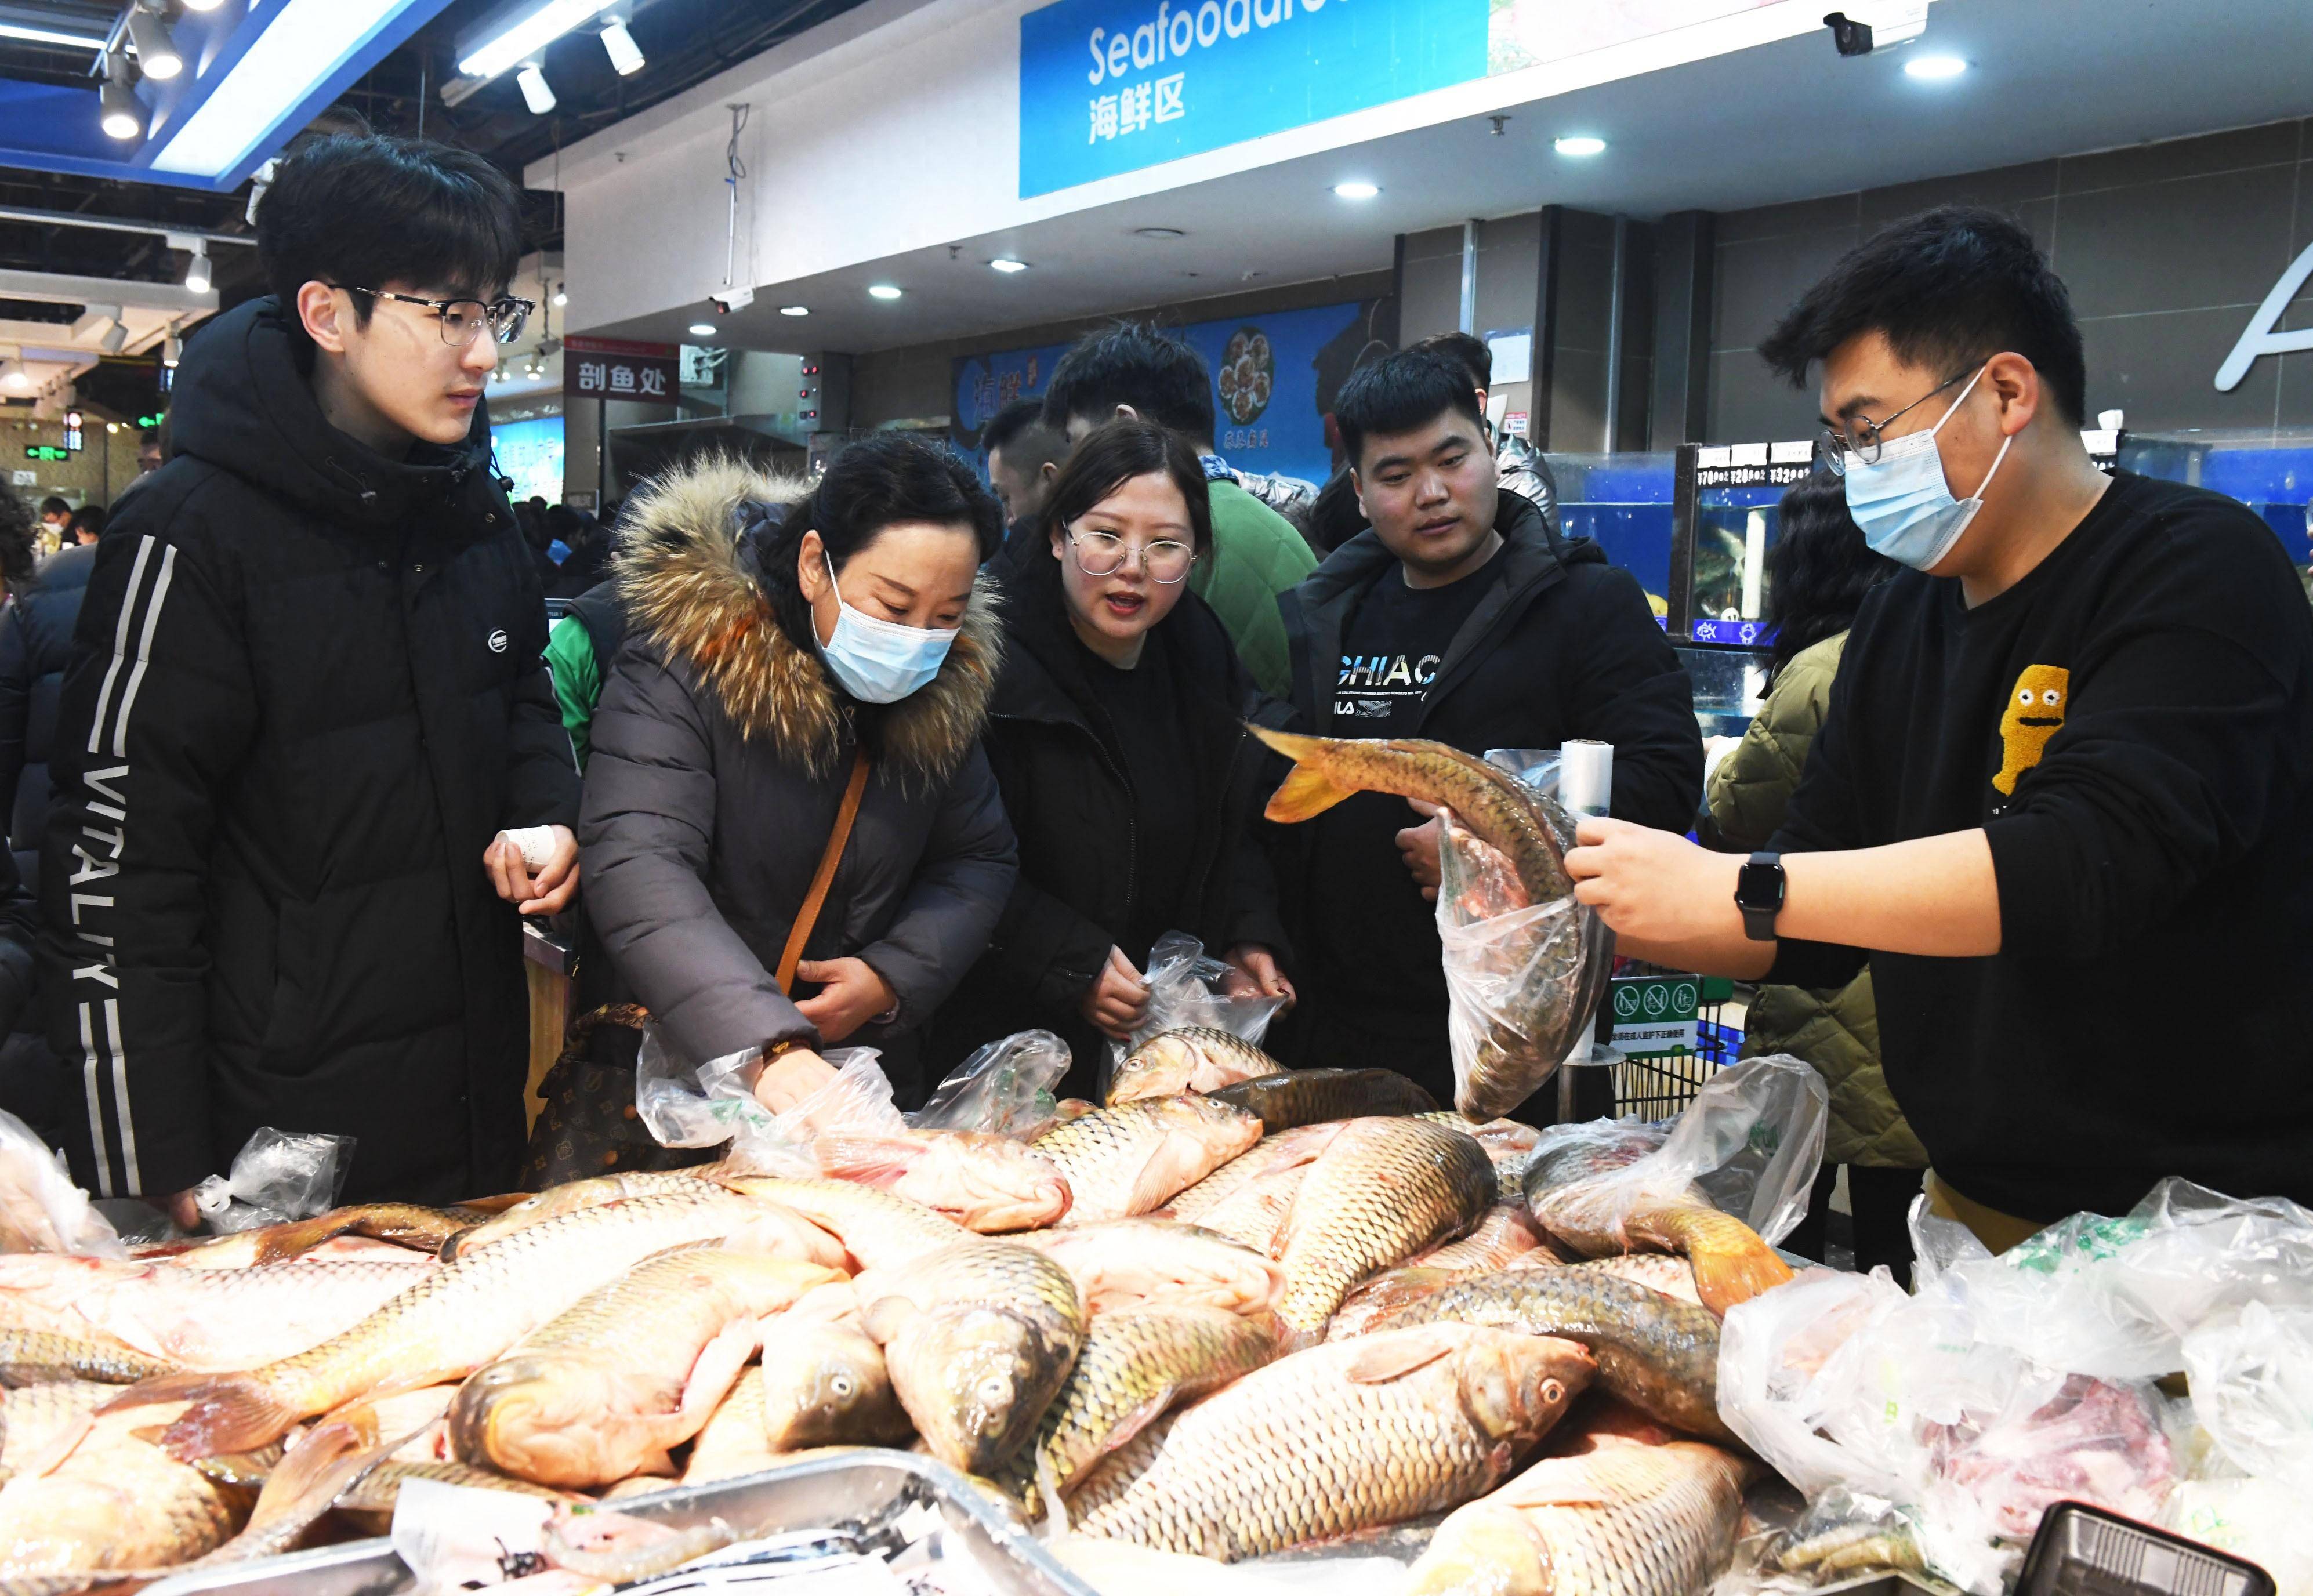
2080 1550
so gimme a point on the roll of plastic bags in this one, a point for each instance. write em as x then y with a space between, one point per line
1004 1089
40 1208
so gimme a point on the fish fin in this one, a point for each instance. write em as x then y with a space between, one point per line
871 1161
49 1456
1138 1417
312 1473
1154 1185
1732 1263
282 1242
229 1413
1304 795
715 1371
1384 1358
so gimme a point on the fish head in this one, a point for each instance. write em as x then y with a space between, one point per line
1481 1550
987 1183
541 1416
1517 1387
1222 1127
836 1389
976 1379
1162 1067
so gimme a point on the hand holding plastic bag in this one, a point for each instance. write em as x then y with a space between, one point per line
1189 990
715 1103
40 1208
1004 1089
276 1176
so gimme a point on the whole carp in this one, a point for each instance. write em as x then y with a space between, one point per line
1159 1263
369 1499
1336 1439
979 1338
1135 1365
986 1183
1138 1157
36 1357
1290 1098
634 1368
1382 1191
1615 1517
570 1197
462 1315
823 1381
1194 1058
116 1503
1289 1149
211 1319
404 1224
1575 1195
1503 1235
1658 1355
876 1228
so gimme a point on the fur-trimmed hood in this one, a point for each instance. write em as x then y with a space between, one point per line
686 575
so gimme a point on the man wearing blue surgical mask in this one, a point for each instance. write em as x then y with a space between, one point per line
2063 795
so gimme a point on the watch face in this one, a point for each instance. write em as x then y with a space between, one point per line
1760 886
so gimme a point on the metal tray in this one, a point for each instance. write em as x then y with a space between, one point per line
862 1486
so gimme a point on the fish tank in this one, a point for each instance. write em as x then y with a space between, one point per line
1623 501
2270 471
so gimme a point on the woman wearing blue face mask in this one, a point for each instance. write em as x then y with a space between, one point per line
786 775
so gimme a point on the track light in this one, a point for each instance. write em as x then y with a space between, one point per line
625 55
560 298
172 350
535 93
156 51
197 275
533 33
123 112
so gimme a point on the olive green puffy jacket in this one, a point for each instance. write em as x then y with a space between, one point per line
1838 1032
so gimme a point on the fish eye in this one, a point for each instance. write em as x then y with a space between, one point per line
994 1389
841 1385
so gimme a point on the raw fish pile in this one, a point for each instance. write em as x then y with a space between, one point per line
1235 1310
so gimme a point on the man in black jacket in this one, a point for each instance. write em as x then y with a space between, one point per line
1462 616
306 700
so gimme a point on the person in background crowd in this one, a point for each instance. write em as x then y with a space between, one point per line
36 643
1519 466
776 652
85 527
150 452
1025 453
1334 517
1460 616
1819 574
1117 733
54 513
587 564
1134 371
34 1084
2064 785
304 704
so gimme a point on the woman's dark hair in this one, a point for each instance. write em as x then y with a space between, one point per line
1820 568
373 212
878 482
17 525
1113 455
1335 517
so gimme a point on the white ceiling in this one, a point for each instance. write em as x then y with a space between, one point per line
1779 122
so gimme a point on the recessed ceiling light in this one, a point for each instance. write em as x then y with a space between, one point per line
881 291
1356 190
1932 67
1158 233
1008 265
702 330
1579 144
560 298
794 310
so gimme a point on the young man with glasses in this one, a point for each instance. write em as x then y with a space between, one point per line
2063 796
1463 616
305 704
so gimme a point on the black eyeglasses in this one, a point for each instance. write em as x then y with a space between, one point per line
1868 438
462 320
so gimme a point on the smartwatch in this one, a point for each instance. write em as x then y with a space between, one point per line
1759 894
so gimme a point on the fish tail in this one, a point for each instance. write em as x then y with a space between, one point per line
1307 792
1732 1264
229 1413
282 1242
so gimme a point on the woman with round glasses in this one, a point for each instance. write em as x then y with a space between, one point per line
1117 732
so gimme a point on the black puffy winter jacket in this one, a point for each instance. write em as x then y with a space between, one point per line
36 637
305 694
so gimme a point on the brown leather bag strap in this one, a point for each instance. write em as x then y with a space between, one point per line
808 916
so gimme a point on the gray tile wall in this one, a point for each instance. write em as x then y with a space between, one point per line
2168 249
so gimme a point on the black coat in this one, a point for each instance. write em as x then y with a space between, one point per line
1562 645
36 637
305 694
721 750
1071 802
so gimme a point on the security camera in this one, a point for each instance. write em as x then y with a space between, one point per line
1852 37
1877 25
732 299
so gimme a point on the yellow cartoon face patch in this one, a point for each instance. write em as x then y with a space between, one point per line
2035 713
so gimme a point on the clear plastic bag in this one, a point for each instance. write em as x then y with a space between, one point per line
277 1176
40 1208
1005 1088
1523 980
715 1103
1186 990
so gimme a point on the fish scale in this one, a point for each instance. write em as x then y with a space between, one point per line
117 1502
1291 1098
1138 1156
1189 1059
1382 1190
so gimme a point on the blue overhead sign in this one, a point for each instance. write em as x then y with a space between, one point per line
1109 86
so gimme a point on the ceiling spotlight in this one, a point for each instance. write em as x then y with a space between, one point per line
112 426
115 337
540 27
123 112
197 273
1008 265
625 55
172 350
535 93
703 329
1934 67
794 310
18 379
1579 144
560 298
881 291
1356 190
156 51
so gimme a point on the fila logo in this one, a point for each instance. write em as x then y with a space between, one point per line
498 642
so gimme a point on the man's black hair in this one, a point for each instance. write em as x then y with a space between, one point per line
374 212
1402 393
1020 429
53 505
1468 348
1133 364
1949 289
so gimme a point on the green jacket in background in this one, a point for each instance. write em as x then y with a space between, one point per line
1838 1032
1256 556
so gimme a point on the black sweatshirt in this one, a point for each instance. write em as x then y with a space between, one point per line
2132 724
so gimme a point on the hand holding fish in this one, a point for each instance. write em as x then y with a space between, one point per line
1419 843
